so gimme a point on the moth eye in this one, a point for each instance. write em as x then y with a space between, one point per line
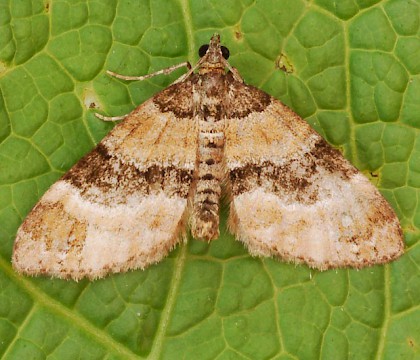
202 50
225 52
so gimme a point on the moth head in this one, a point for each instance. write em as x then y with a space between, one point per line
214 53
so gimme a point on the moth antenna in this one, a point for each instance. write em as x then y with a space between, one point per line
148 76
110 118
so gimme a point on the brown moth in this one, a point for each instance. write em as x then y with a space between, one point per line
127 203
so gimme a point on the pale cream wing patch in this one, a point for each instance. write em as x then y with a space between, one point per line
297 198
124 205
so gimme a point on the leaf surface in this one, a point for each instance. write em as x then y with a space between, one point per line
351 68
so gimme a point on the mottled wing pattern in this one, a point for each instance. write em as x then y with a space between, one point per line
122 206
296 197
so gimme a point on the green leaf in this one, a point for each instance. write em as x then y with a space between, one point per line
350 67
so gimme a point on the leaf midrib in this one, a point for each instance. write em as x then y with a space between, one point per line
167 311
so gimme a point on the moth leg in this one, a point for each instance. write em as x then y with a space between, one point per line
144 77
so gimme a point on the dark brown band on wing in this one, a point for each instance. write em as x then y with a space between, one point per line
244 99
285 179
236 100
177 99
268 176
102 170
331 159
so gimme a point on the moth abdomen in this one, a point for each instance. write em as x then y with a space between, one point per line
205 216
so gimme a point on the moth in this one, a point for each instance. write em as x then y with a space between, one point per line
128 202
